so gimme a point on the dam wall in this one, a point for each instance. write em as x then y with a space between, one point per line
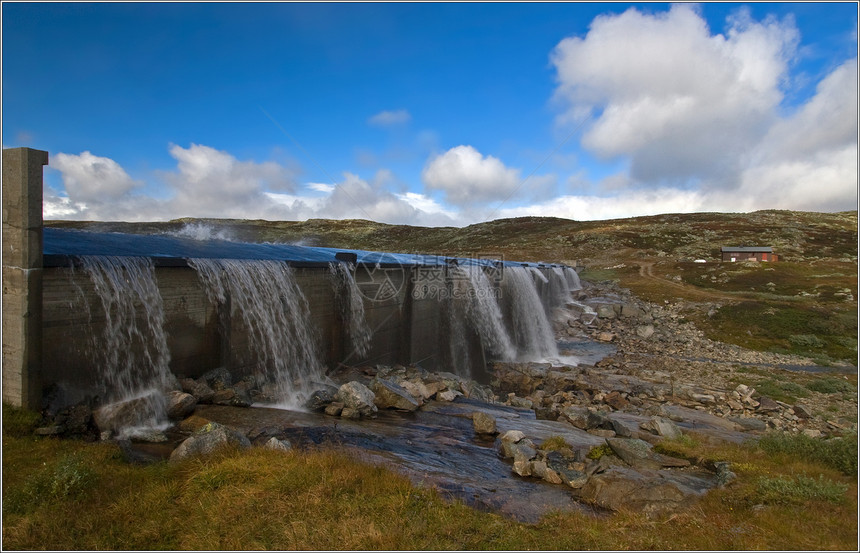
412 309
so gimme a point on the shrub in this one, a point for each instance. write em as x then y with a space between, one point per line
554 443
799 489
837 453
69 478
830 385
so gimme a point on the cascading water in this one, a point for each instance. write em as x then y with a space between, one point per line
351 307
275 314
559 289
132 352
573 281
530 330
485 314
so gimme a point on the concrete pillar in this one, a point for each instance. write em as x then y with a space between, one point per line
22 275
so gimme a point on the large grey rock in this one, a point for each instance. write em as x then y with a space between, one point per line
639 454
180 405
207 439
357 398
115 417
662 426
389 395
644 491
605 312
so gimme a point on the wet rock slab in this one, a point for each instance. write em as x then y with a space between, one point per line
436 446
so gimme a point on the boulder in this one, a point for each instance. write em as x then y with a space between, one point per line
278 445
644 491
484 423
207 439
115 417
662 426
448 395
320 399
197 388
180 405
357 399
639 454
766 404
389 395
615 400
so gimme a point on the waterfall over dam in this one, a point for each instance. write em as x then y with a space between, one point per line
286 314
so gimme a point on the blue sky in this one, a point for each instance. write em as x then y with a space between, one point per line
436 113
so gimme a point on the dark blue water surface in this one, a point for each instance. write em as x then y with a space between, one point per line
60 246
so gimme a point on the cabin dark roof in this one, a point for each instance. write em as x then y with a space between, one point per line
748 249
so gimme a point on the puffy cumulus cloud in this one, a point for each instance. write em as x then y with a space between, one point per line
356 198
88 178
213 183
808 160
466 177
679 101
390 118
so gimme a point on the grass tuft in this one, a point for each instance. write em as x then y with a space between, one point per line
800 489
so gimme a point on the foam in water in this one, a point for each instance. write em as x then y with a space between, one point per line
530 329
276 317
131 353
351 307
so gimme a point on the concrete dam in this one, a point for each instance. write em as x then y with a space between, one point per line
118 316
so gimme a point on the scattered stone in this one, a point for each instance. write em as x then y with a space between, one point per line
645 331
640 454
54 430
447 395
766 404
207 439
357 399
180 405
334 408
802 411
615 400
278 445
484 423
197 388
606 336
320 399
662 426
389 395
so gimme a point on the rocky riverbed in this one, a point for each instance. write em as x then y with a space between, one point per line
577 433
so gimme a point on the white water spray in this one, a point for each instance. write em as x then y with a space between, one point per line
131 353
530 329
276 317
351 307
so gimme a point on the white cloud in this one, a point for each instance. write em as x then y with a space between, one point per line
466 177
321 187
390 118
90 178
679 101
